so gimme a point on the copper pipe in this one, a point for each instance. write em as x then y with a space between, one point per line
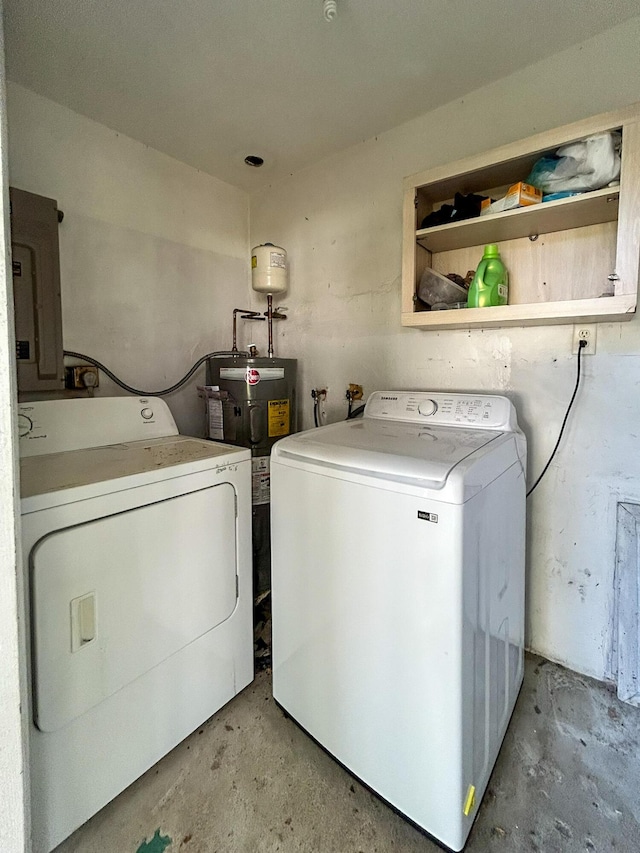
270 323
246 315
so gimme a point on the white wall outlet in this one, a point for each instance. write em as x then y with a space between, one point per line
585 333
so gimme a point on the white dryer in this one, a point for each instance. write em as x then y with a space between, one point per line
137 563
398 595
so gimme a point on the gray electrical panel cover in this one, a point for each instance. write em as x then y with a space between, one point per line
36 291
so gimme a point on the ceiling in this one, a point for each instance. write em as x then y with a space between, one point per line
211 81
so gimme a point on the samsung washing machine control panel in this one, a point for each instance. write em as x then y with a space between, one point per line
480 411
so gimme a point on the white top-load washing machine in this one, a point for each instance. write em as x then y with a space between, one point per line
398 595
137 564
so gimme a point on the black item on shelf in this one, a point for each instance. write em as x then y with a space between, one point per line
457 279
463 207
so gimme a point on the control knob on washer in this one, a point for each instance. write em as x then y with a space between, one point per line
428 407
25 425
147 414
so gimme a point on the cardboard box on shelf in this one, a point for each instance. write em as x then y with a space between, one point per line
518 195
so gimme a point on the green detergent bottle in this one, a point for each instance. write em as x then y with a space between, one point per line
490 285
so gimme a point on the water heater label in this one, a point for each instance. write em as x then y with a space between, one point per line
240 373
260 480
252 376
216 420
278 418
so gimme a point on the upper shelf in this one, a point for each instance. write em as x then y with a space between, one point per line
578 211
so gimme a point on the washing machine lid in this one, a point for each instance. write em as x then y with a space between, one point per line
393 450
126 464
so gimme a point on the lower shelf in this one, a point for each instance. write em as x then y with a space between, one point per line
605 309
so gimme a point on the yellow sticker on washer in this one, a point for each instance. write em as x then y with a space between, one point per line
470 802
278 418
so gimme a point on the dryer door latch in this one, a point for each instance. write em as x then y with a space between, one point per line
83 621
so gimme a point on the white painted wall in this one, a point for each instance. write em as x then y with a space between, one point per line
12 778
341 224
153 253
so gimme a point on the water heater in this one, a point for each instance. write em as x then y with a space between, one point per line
255 403
257 406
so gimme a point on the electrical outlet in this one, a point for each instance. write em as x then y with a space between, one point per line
81 376
585 333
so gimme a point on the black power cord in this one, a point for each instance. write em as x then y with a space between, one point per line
165 391
581 346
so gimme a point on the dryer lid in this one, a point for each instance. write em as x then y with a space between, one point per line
390 450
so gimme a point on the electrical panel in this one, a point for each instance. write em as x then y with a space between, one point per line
36 291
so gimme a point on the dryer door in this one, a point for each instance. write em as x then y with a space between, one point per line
116 596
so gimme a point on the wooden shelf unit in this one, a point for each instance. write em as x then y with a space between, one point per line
570 260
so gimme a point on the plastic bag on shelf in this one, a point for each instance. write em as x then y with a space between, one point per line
588 164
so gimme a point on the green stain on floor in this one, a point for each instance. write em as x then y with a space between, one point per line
158 844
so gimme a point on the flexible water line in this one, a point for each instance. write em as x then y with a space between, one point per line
164 391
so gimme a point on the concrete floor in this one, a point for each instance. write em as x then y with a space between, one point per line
567 779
